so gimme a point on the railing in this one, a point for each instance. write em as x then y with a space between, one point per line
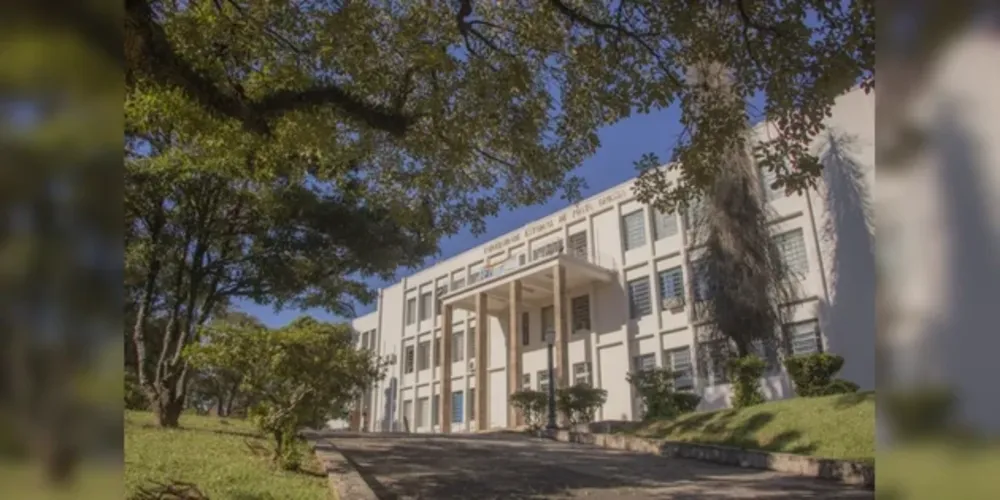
521 260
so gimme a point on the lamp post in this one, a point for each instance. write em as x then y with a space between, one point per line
550 340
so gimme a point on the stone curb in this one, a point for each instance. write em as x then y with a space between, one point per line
344 479
843 471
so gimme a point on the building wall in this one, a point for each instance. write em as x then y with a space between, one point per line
837 292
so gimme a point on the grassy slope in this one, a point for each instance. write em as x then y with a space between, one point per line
830 427
211 453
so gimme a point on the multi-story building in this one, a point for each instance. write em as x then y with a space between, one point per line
612 281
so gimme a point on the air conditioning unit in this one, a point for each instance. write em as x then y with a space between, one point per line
472 365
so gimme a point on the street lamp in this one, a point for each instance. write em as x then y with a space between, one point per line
550 341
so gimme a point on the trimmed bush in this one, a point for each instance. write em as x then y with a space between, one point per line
656 389
746 373
685 402
533 406
579 403
813 375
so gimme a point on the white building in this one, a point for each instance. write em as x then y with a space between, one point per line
620 277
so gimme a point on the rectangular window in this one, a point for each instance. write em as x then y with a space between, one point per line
425 306
694 213
408 412
408 360
679 361
768 351
472 403
424 355
634 230
581 373
767 179
371 339
548 322
437 302
411 311
437 351
644 362
792 246
457 347
457 409
804 338
525 329
578 244
714 356
457 283
364 340
421 417
472 343
664 224
434 410
543 380
702 286
638 298
671 288
580 310
526 382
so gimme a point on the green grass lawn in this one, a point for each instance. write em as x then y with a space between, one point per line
841 427
212 454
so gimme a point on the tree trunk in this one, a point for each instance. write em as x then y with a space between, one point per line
168 407
220 406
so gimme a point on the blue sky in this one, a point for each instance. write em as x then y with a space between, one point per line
621 145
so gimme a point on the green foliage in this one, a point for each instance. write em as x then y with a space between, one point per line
135 397
533 406
299 375
661 401
580 402
813 375
745 373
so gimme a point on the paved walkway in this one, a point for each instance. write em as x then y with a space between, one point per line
511 466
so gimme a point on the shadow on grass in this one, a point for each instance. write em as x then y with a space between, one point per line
718 428
850 400
226 432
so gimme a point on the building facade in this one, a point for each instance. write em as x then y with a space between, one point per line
612 281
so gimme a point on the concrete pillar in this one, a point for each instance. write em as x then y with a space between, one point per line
482 361
514 351
560 309
444 407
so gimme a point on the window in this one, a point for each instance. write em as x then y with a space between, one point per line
420 419
634 230
437 303
411 311
638 298
434 410
581 373
525 329
472 403
457 408
424 355
768 351
543 380
364 340
578 244
457 283
804 338
437 352
408 360
548 322
580 310
693 214
679 361
526 382
671 288
408 411
371 339
547 250
457 347
715 354
702 286
767 178
664 224
644 362
472 343
425 306
793 251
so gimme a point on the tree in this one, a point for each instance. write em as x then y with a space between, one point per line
219 388
299 375
533 406
659 396
580 402
505 94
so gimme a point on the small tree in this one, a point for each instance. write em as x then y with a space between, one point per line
813 375
579 403
298 376
532 404
656 389
746 373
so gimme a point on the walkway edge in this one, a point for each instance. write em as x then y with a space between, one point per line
843 471
344 479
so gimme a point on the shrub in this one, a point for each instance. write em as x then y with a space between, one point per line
533 406
580 402
135 397
746 373
813 375
656 389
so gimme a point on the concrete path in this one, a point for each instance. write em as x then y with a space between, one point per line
512 466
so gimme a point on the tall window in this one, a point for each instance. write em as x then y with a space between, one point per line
526 381
420 419
425 306
408 360
424 355
435 410
525 329
472 343
578 244
472 403
457 347
580 310
714 358
664 224
694 213
437 351
581 373
411 311
364 340
441 290
408 411
543 380
702 285
634 230
792 246
679 361
804 337
548 321
768 351
671 284
638 298
457 408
